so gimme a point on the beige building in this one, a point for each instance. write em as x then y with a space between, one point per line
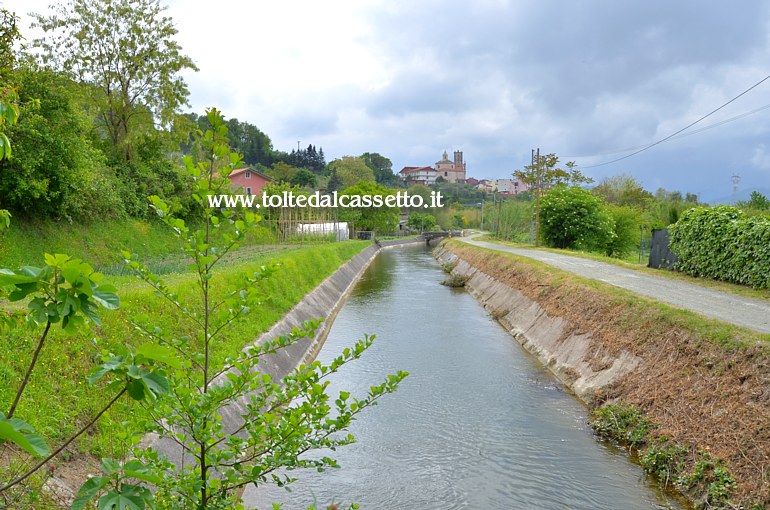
510 186
451 171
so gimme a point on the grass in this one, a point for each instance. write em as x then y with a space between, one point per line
630 263
58 398
663 458
98 243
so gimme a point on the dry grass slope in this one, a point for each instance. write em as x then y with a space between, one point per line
702 383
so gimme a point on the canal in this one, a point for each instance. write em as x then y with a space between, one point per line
477 424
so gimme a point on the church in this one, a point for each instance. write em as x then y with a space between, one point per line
452 171
448 170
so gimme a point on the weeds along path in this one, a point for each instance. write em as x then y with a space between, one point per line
723 306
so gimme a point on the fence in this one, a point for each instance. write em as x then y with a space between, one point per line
661 257
305 224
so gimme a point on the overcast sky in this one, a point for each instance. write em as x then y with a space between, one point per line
495 79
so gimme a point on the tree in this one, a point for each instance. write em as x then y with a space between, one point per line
756 201
623 189
280 419
335 183
420 190
542 175
248 140
455 192
125 49
352 170
56 171
308 158
9 111
379 219
626 230
382 168
282 172
421 222
303 178
9 35
575 218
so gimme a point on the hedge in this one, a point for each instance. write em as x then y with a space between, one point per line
723 243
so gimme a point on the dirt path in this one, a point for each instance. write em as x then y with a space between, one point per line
749 313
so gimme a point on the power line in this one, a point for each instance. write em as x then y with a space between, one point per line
704 128
672 135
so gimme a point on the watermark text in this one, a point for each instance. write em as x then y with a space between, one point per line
401 199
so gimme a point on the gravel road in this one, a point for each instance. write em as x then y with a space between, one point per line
723 306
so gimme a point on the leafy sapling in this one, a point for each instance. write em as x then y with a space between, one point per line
277 420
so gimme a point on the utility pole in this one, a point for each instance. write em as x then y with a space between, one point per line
538 192
494 210
482 211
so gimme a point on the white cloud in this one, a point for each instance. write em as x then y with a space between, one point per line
494 78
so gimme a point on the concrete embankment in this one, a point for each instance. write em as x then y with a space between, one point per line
324 302
706 391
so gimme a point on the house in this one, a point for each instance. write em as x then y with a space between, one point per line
486 186
448 170
510 187
471 181
419 175
249 181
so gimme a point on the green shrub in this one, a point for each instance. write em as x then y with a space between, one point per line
512 220
575 218
723 243
623 423
712 479
627 221
664 459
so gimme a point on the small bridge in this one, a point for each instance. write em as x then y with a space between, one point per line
433 236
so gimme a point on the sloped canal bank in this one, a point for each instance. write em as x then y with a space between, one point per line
477 424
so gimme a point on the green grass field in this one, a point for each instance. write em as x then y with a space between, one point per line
58 398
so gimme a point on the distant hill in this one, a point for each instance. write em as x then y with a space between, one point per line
740 196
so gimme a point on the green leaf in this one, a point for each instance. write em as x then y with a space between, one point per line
56 260
135 469
159 353
105 296
110 466
119 501
136 389
5 147
110 365
29 442
155 382
72 273
88 490
8 277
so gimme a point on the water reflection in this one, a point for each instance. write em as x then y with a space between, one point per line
477 424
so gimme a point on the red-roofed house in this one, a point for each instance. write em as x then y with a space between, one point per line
419 175
248 180
450 171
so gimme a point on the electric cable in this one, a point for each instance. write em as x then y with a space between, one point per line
672 135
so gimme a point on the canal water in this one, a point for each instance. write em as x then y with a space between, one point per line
478 424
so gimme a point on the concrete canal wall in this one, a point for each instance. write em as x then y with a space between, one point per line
701 384
551 339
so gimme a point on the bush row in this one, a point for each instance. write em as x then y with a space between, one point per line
723 243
